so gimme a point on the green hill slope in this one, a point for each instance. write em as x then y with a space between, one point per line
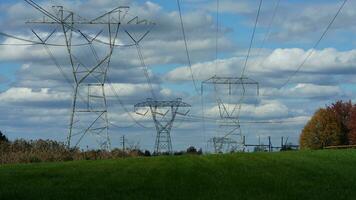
286 175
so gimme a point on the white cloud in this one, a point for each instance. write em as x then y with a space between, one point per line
205 70
29 95
305 90
266 110
328 60
279 64
39 92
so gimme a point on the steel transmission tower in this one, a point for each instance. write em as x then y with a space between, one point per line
89 113
229 94
163 115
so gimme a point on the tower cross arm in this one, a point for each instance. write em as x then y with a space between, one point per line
115 16
230 80
161 104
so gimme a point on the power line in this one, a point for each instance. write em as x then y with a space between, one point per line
217 35
311 52
145 70
186 47
268 31
239 104
252 38
122 104
190 64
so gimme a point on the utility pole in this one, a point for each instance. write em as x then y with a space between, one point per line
282 142
123 140
269 144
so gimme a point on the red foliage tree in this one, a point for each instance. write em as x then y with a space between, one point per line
336 124
352 127
342 111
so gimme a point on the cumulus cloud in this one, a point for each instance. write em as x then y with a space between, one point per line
325 61
279 64
265 110
40 93
303 90
29 95
300 21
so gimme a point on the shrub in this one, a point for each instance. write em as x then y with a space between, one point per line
192 150
3 138
147 153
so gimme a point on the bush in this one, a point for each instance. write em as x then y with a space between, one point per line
3 138
192 150
147 153
179 153
33 151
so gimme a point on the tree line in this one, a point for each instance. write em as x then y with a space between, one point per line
330 126
33 151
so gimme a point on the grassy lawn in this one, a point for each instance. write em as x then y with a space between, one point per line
329 174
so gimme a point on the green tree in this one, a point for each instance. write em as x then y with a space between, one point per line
3 138
323 129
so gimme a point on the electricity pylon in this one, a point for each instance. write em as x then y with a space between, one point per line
89 113
229 138
163 114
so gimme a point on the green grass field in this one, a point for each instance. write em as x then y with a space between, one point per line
287 175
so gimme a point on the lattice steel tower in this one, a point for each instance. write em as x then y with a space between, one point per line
163 115
227 91
89 113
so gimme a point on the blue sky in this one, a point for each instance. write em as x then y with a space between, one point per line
35 99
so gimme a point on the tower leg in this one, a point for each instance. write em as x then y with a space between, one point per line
71 123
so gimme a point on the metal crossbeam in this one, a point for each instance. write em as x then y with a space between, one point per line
154 103
219 80
115 16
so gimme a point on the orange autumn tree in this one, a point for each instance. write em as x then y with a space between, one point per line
324 129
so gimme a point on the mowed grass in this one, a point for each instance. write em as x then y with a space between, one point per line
329 174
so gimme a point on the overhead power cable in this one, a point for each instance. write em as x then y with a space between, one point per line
116 94
197 90
311 52
217 35
145 70
252 39
186 48
267 35
239 104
